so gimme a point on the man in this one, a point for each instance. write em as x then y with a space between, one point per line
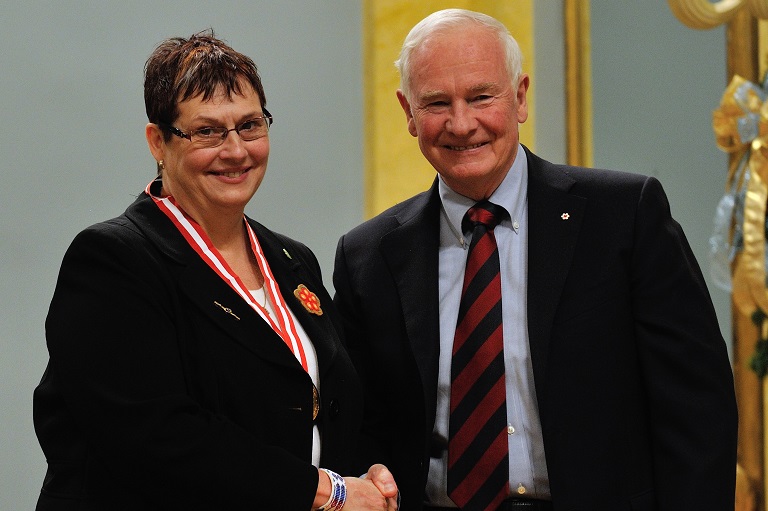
616 390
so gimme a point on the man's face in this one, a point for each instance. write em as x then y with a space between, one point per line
464 110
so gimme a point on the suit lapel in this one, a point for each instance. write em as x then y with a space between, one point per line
555 218
411 251
230 312
219 302
290 272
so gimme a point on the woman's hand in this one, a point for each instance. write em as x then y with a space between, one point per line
375 491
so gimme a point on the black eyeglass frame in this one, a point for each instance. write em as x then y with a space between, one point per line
176 131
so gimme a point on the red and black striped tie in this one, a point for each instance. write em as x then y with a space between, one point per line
478 472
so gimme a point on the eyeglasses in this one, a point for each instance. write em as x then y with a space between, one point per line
214 136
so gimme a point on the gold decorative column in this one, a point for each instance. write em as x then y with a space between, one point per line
745 44
578 79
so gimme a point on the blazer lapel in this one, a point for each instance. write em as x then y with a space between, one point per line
219 302
411 251
555 218
290 272
229 311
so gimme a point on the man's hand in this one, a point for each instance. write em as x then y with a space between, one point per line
384 481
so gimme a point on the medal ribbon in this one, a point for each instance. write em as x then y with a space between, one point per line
284 325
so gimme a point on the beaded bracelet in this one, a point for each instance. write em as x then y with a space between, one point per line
338 492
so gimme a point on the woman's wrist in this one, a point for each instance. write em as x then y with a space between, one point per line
335 487
324 489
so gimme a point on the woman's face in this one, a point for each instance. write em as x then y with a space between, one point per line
209 181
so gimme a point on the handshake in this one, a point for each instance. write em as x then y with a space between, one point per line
374 491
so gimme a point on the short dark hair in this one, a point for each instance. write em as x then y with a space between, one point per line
179 69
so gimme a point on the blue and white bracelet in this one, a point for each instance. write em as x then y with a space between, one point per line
338 492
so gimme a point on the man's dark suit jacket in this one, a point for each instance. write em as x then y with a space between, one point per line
165 390
633 383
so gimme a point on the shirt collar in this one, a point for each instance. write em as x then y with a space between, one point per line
511 194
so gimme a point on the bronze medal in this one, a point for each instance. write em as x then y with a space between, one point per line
315 402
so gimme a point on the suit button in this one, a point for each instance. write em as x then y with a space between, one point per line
333 409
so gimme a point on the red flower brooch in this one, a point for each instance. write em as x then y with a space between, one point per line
308 299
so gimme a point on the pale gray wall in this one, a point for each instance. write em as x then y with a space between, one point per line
549 80
655 85
73 150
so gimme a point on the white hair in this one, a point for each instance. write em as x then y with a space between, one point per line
452 18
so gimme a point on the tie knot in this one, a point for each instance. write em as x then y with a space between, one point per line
483 213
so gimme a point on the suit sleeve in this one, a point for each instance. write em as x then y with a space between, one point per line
685 365
372 447
115 360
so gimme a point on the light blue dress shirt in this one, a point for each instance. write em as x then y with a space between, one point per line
527 466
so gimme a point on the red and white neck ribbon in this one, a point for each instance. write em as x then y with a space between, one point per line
283 324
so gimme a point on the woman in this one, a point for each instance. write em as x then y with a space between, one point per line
195 359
